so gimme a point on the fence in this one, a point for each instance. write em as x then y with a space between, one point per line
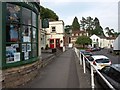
82 62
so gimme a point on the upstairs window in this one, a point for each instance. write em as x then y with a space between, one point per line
53 29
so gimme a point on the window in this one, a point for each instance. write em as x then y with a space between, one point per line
21 33
26 16
34 19
76 34
53 29
26 33
12 33
13 13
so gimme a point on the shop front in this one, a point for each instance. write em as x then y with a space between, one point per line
55 43
19 41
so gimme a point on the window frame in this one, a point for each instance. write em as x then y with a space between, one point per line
4 23
53 30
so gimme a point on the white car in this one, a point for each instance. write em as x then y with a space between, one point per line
100 61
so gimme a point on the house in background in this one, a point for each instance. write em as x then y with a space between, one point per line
76 34
96 41
102 41
55 34
110 41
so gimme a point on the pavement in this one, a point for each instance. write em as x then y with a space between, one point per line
64 71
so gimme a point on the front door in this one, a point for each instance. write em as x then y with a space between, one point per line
51 43
57 43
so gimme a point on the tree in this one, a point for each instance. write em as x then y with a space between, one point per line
98 30
110 32
75 24
68 29
83 40
83 23
116 34
47 13
92 26
89 26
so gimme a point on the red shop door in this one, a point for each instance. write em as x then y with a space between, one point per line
51 43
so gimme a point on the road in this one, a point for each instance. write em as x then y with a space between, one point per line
114 58
60 73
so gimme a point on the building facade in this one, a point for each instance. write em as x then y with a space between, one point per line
76 34
102 41
55 34
19 52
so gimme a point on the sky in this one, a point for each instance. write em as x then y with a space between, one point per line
106 10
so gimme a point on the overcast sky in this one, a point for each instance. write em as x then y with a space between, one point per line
106 11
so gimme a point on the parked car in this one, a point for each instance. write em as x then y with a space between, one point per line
93 49
99 61
86 54
112 74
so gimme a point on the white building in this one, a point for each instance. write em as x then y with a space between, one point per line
55 34
95 40
102 41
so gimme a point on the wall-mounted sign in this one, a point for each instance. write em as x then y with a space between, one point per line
45 23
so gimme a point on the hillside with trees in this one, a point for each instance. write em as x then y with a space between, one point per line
48 13
91 25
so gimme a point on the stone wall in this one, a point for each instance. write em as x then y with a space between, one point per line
16 76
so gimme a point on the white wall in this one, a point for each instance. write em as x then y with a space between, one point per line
59 34
59 26
94 40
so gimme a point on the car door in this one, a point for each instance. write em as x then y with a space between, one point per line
112 76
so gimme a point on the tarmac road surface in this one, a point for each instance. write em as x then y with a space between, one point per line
60 73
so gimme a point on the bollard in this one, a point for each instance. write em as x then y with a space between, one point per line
84 64
92 78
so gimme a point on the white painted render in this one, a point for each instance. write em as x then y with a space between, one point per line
58 34
103 42
95 39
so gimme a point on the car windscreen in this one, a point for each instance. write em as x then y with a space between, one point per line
87 53
102 60
90 59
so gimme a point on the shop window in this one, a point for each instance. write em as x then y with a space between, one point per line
21 34
34 34
12 33
34 18
13 13
26 33
12 53
26 16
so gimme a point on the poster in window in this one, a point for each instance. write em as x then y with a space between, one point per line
15 45
13 33
26 55
23 47
28 47
17 56
26 39
13 13
10 54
